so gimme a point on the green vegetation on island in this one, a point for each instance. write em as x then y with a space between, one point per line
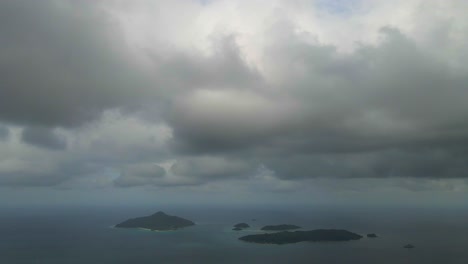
240 226
157 222
287 237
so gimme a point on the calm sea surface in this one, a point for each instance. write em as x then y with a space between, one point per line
85 235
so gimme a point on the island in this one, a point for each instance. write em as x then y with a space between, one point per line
240 226
287 237
409 246
159 221
372 235
282 227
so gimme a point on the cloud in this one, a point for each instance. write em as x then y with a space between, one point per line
4 132
141 174
43 137
227 87
212 120
23 164
374 98
211 167
62 63
102 147
391 110
416 163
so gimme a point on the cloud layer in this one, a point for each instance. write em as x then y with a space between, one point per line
173 93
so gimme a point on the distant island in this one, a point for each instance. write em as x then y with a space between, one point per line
280 227
240 226
372 235
409 246
156 222
317 235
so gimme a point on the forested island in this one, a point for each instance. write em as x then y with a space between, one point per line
287 237
240 226
159 221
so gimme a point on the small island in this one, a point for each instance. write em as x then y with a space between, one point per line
409 246
157 222
240 226
287 237
372 235
282 227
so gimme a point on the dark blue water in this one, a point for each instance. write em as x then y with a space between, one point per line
85 235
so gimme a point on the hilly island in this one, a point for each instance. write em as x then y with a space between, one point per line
159 221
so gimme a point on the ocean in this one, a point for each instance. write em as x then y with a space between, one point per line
86 235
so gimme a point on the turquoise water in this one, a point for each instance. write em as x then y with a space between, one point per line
85 235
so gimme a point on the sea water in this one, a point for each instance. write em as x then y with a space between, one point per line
86 235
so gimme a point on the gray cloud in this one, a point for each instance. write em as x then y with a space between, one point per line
419 163
62 63
101 147
46 171
140 174
30 179
397 93
43 137
225 67
212 168
4 132
190 171
278 97
338 115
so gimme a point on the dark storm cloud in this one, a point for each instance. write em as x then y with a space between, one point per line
62 63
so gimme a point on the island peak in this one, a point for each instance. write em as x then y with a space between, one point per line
160 213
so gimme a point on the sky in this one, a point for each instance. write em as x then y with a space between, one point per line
233 102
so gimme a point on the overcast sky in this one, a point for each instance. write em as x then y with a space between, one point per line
303 101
